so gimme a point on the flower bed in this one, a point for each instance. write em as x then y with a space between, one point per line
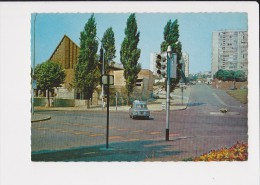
238 152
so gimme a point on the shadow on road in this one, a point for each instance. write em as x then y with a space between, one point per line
195 104
123 151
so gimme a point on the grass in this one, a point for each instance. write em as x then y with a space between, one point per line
240 95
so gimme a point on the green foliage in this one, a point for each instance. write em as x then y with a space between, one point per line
48 75
171 38
108 42
130 54
87 74
240 76
229 75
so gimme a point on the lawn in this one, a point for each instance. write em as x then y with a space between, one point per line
240 95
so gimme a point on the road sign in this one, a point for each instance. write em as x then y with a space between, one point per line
173 66
108 79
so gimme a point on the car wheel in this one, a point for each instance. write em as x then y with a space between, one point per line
147 117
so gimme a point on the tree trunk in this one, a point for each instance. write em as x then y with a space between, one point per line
88 103
48 95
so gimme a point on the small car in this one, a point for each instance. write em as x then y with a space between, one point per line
139 109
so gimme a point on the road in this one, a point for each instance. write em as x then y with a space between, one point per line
81 135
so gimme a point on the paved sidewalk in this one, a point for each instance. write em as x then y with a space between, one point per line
178 100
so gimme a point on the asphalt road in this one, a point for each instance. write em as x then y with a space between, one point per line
81 135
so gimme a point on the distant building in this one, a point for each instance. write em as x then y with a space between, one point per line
144 84
153 62
185 60
229 51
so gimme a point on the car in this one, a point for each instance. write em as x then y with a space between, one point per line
139 109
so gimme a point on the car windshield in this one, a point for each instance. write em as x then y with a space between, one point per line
140 106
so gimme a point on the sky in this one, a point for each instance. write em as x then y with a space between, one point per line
195 30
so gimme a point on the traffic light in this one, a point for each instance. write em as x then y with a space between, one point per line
161 65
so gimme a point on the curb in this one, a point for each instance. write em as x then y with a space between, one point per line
43 118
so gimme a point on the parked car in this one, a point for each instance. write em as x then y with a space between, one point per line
139 109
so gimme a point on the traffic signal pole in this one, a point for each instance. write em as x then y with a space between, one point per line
167 132
167 109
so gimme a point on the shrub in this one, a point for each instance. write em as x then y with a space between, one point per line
238 152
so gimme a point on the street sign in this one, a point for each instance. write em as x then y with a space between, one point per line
108 79
173 66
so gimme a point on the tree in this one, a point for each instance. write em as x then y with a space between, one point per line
130 54
49 75
171 38
108 42
240 76
225 75
87 74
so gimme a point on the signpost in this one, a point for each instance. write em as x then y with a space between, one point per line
171 73
107 80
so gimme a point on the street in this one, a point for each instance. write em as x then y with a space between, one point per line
81 135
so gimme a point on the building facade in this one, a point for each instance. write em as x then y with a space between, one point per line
66 54
185 60
153 62
229 51
144 83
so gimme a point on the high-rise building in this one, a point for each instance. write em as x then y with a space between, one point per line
153 62
229 51
185 58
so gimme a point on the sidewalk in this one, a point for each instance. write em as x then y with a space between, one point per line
177 102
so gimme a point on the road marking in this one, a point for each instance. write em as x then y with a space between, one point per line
79 133
42 128
57 129
115 137
98 126
122 129
220 113
137 131
89 153
154 133
94 135
220 101
64 131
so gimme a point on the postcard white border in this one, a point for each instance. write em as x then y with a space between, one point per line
16 166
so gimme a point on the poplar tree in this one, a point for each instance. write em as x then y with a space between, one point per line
108 42
87 74
171 38
130 54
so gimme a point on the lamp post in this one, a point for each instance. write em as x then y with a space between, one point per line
32 80
103 71
234 64
169 52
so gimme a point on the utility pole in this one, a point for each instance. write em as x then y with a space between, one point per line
169 51
33 67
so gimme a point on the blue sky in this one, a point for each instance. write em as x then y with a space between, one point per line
195 31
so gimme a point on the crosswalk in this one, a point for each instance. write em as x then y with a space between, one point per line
130 134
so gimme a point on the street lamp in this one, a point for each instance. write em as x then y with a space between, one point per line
169 52
234 65
103 71
32 76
